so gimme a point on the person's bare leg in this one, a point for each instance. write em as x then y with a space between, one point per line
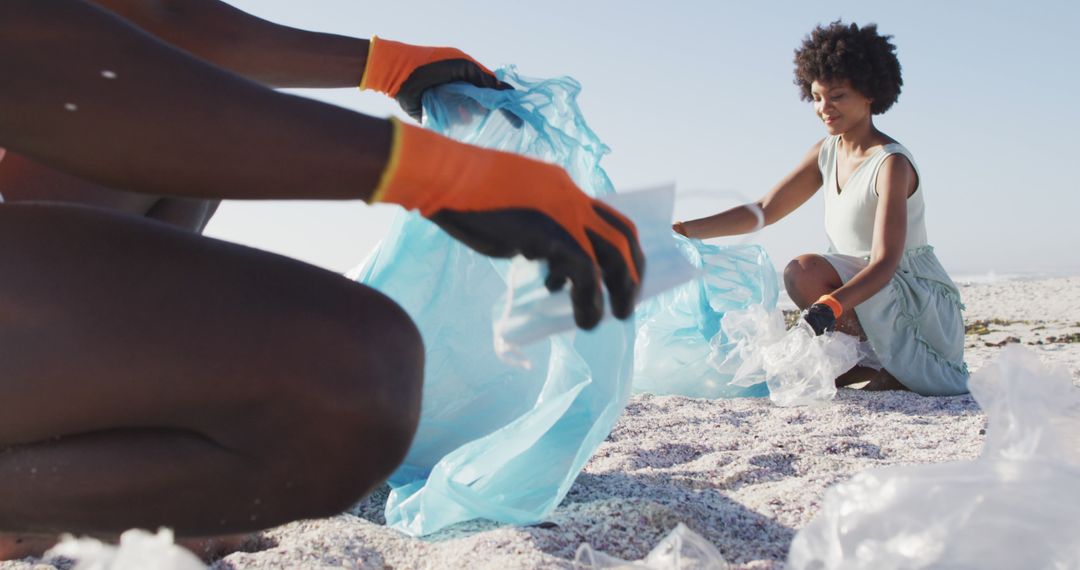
882 381
856 375
15 546
151 377
25 180
807 278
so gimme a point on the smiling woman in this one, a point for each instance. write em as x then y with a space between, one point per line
880 279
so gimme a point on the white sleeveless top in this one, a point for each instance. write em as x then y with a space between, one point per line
850 214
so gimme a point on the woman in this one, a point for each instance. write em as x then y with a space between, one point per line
880 279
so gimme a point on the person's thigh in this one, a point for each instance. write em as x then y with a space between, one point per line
128 320
138 361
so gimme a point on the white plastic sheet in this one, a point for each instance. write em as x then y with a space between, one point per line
799 368
534 313
138 550
1014 507
681 549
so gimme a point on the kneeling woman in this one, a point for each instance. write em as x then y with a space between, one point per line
880 279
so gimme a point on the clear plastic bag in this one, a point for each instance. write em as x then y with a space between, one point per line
799 368
678 329
495 440
1013 507
681 549
138 550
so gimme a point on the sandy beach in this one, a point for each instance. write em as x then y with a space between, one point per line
743 473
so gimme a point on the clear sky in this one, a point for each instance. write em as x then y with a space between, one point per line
701 93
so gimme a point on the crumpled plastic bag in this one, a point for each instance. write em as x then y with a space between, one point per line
1015 506
677 330
138 550
681 549
532 313
495 440
799 368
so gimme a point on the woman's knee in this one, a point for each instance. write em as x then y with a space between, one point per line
809 276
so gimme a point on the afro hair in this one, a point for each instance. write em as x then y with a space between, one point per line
839 52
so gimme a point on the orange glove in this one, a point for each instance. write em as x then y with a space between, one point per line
502 204
405 71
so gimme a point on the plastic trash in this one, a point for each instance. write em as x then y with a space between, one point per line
497 441
533 313
138 550
799 368
677 329
1013 507
681 549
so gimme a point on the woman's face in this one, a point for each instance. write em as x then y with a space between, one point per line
839 105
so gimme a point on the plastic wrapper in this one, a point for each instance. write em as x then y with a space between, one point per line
681 549
678 329
798 367
495 440
532 313
1015 506
138 550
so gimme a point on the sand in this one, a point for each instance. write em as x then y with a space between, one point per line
743 473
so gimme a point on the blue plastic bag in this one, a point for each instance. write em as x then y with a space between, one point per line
678 329
497 441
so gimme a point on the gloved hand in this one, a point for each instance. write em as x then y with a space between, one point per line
822 315
502 204
405 71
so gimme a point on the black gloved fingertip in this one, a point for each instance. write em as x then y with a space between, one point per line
514 120
555 283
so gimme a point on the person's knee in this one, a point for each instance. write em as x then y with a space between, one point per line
359 407
802 273
376 391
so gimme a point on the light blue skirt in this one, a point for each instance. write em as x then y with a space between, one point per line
914 323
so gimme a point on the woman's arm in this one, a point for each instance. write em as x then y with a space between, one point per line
260 50
91 94
896 181
793 191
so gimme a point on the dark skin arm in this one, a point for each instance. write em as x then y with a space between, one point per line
145 129
275 55
896 181
793 191
260 50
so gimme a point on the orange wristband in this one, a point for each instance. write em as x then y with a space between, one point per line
832 303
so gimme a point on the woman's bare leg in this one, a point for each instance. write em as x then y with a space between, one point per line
150 377
884 381
806 279
810 276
